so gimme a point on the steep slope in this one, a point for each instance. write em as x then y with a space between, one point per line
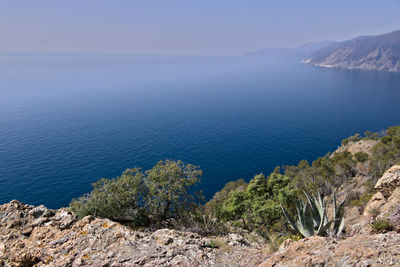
381 52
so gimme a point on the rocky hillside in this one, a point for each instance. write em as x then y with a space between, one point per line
365 247
37 236
380 52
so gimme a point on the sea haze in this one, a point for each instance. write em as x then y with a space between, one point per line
67 120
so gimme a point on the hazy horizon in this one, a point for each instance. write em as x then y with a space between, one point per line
178 27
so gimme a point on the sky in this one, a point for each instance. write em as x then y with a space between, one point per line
185 26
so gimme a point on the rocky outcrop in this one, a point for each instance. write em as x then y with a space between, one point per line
358 250
389 182
37 236
387 200
363 145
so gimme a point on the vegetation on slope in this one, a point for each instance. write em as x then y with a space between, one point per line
164 192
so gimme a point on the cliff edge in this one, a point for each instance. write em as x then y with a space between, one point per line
37 236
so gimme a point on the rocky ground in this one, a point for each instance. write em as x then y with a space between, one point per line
37 236
358 250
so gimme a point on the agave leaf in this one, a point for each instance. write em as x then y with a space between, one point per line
320 203
312 214
290 219
314 209
339 219
334 205
299 209
338 226
323 230
307 222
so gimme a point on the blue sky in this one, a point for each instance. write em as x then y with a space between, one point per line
184 26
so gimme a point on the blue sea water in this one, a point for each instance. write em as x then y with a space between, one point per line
67 120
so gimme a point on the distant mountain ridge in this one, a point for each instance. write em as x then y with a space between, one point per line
299 52
380 52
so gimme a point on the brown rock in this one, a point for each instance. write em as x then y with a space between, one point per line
363 145
389 181
358 250
374 205
392 202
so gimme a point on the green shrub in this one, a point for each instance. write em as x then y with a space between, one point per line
381 225
213 207
254 206
386 153
142 198
370 135
361 156
356 203
118 198
386 140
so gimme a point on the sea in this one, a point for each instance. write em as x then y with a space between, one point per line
69 119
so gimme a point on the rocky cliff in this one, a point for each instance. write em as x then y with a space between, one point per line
381 52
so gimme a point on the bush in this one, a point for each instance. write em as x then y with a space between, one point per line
213 207
117 199
386 153
353 138
381 225
142 198
361 156
254 206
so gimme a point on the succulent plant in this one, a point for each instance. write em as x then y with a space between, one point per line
313 219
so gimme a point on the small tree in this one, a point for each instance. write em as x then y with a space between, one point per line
118 199
141 198
256 206
168 183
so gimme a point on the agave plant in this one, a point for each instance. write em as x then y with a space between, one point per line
313 219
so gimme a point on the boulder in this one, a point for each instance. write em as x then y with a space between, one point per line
389 181
382 204
374 205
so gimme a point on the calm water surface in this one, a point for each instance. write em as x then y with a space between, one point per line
67 120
